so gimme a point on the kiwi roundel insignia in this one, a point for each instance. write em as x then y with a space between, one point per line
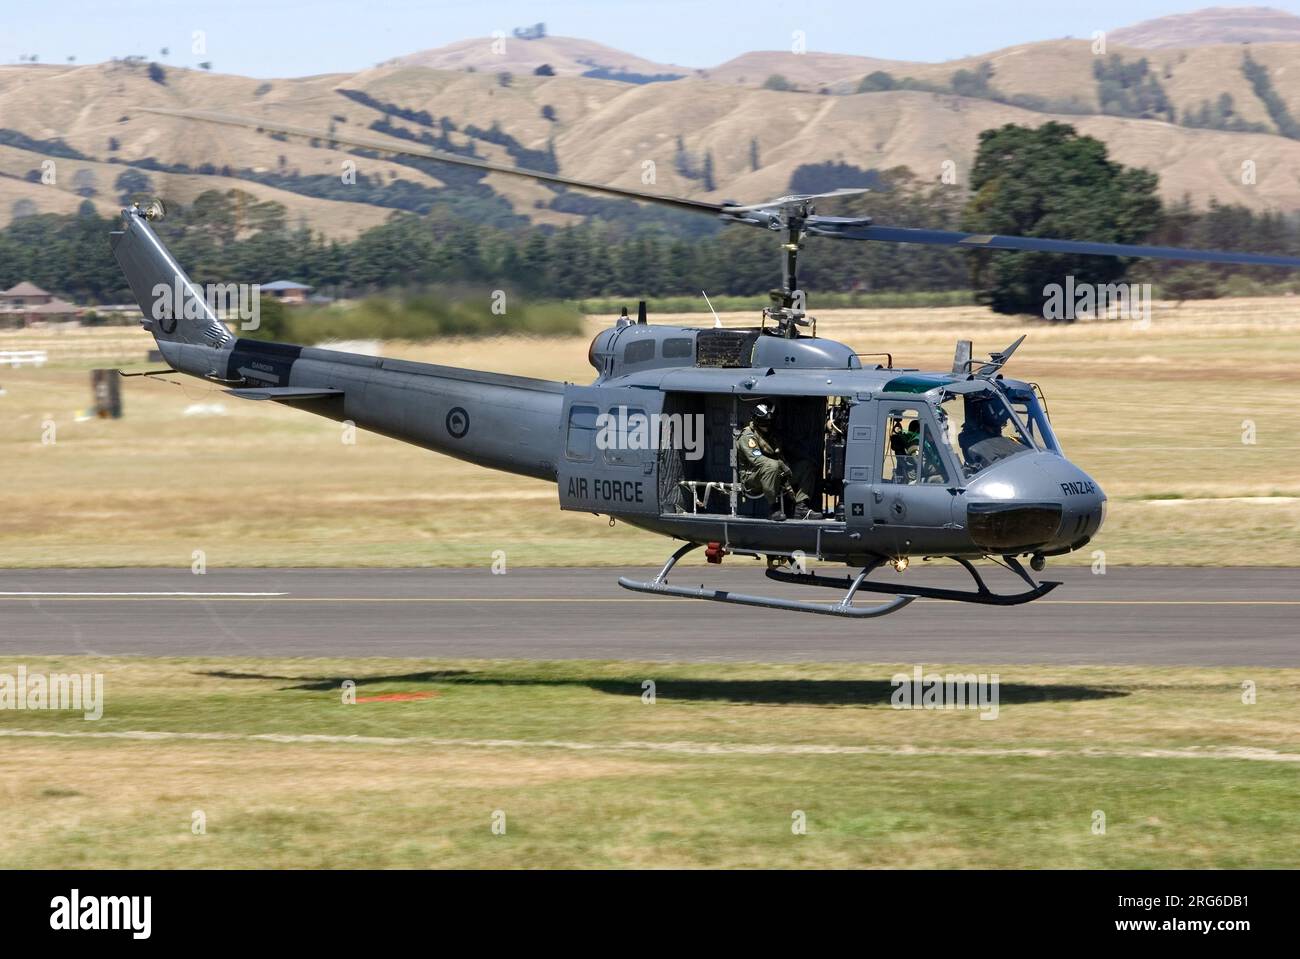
752 442
168 324
457 422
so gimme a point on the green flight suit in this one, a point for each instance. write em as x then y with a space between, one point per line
762 471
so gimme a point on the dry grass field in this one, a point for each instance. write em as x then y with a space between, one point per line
1156 415
583 772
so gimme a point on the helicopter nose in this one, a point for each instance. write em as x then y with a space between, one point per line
1036 501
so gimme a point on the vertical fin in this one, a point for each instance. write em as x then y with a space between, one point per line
175 309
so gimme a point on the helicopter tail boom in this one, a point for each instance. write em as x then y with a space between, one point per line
503 422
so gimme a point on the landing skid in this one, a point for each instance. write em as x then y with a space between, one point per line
982 593
844 607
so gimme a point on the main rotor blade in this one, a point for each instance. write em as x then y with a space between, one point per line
386 146
981 241
844 228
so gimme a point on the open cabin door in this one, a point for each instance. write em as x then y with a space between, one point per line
608 451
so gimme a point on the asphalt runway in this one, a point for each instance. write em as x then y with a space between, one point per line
1248 617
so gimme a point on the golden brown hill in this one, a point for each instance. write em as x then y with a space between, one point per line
567 56
1213 25
608 131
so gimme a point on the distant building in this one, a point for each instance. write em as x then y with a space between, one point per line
287 291
25 294
27 304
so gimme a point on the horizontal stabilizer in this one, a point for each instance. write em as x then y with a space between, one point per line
284 393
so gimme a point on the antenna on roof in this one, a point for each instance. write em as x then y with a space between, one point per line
962 357
999 360
717 320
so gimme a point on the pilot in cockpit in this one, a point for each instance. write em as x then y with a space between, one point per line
982 438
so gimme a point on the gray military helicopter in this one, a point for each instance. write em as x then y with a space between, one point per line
960 464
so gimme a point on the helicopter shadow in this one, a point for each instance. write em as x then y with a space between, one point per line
753 692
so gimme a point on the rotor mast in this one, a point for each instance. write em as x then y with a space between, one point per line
791 216
790 313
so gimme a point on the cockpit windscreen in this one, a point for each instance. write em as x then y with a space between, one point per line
1032 414
981 428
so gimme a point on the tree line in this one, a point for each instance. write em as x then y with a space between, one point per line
1044 182
231 236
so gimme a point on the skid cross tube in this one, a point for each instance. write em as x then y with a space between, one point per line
844 607
983 594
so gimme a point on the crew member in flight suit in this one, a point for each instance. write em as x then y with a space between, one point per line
762 471
982 439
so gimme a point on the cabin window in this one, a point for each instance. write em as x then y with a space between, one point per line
626 434
911 454
581 444
679 347
639 351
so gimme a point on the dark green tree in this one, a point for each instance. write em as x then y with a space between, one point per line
1262 83
133 185
1052 182
536 262
876 82
973 83
1191 283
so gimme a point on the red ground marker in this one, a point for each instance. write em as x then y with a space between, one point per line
394 697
